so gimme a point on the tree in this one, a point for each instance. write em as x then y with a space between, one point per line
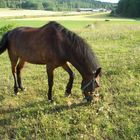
54 4
128 8
2 4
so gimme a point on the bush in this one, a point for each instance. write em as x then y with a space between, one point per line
5 28
32 5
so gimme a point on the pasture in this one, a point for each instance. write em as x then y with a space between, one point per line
115 117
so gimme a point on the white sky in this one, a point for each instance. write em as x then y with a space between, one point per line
112 1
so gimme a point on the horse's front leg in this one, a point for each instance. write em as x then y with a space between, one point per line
50 81
71 79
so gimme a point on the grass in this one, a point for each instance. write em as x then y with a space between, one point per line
114 117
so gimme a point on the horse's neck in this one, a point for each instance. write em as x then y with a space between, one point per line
83 69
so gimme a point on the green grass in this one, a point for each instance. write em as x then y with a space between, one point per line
114 117
37 23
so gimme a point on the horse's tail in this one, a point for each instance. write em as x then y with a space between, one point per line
4 43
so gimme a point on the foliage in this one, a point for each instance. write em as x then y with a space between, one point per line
32 5
58 5
129 8
5 28
2 4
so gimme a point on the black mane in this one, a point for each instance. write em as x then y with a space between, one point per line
79 46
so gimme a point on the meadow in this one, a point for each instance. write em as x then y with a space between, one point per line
115 117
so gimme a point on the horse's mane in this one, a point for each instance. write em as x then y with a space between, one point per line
78 45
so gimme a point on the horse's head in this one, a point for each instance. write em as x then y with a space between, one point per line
89 87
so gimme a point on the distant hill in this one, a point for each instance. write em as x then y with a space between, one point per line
54 5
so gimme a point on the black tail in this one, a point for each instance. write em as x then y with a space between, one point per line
4 43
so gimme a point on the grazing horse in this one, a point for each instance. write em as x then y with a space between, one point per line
52 45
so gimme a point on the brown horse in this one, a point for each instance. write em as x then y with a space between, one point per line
52 45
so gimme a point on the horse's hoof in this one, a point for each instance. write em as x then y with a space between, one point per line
67 94
87 100
22 89
16 93
50 101
84 101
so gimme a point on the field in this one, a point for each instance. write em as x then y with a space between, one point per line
117 114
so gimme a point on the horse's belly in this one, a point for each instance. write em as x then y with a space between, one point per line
37 62
34 59
39 57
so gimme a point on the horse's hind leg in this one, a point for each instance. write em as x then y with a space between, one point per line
50 69
71 78
14 63
18 71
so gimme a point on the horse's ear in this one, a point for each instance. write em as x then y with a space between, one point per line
98 72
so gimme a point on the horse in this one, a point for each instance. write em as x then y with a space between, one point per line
52 45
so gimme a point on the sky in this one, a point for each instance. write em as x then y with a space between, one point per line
112 1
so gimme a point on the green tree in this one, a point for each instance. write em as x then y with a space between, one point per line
128 8
3 4
54 4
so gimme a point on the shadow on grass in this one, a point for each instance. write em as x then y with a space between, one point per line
1 98
34 110
60 108
5 121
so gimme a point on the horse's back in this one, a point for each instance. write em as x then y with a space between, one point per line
35 45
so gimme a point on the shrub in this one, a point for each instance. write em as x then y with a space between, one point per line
5 28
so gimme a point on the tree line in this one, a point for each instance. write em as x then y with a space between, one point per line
128 8
54 5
